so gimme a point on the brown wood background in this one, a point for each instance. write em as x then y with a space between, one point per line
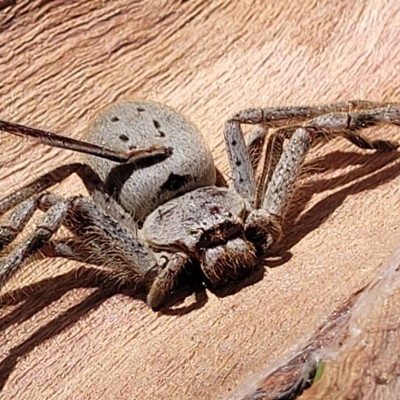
63 337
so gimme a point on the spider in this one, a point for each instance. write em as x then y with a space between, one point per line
157 207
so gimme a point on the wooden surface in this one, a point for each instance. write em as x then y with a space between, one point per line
62 336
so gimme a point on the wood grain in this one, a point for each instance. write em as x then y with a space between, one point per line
61 335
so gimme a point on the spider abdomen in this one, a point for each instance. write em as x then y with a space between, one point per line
138 125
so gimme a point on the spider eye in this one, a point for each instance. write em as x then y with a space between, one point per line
193 231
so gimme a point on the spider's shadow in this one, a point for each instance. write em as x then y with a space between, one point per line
374 170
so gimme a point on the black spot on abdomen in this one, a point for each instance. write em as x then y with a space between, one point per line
175 182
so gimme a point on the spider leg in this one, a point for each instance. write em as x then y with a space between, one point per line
240 156
16 222
273 154
243 177
104 240
343 119
264 225
71 249
161 285
64 142
38 185
90 179
244 158
255 144
118 265
50 223
266 222
348 125
277 117
166 281
287 170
